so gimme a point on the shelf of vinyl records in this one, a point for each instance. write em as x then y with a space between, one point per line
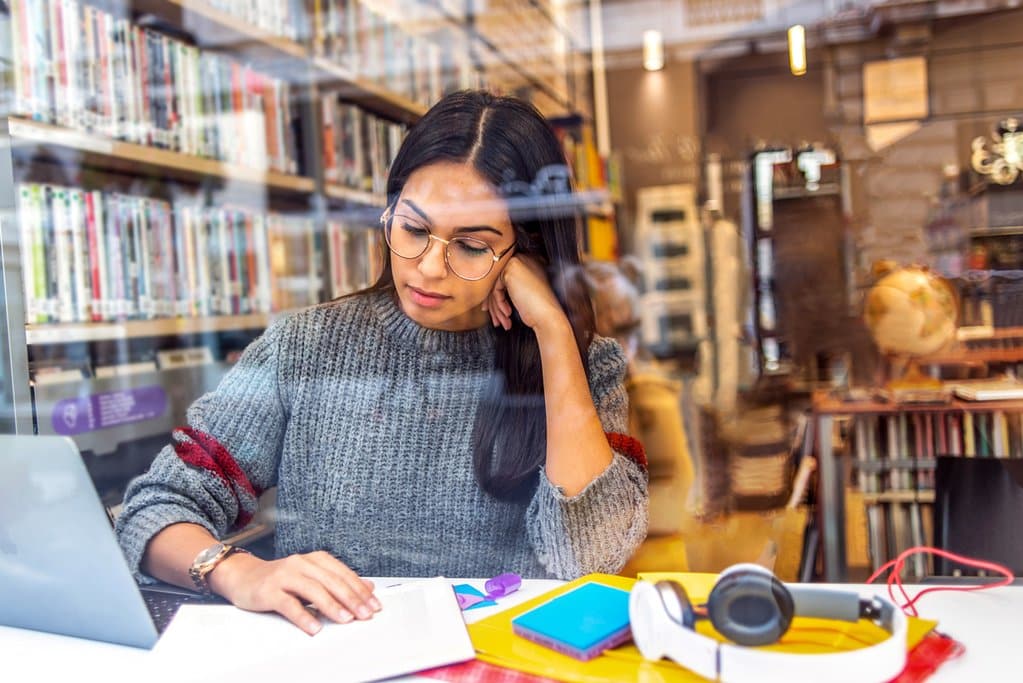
895 450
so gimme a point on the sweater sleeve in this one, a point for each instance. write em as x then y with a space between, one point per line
599 529
217 465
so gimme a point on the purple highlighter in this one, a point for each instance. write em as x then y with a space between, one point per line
497 587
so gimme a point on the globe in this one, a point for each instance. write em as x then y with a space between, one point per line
910 311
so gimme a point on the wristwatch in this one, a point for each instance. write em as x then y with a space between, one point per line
206 561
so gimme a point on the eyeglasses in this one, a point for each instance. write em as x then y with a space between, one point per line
466 257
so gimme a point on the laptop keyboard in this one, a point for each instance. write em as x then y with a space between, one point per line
164 605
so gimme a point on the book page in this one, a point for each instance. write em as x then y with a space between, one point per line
419 627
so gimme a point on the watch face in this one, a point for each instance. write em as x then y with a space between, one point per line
208 554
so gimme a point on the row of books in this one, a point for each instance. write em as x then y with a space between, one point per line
286 18
370 39
358 147
355 253
897 452
91 256
895 463
80 67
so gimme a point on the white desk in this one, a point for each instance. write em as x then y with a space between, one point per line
987 622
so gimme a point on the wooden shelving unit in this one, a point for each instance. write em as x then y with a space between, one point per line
1002 231
115 155
898 497
335 191
24 141
330 76
61 333
281 57
969 356
825 190
216 29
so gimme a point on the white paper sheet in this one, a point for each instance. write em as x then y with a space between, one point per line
419 627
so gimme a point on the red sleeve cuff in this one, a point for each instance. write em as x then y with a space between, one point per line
628 446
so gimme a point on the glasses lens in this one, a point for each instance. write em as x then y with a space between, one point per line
407 237
470 259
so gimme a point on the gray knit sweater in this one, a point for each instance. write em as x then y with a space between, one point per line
363 420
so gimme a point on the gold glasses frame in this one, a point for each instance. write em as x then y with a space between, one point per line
495 256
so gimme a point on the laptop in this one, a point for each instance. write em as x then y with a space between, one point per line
61 569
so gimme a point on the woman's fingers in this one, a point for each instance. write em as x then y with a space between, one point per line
314 592
499 306
352 592
292 609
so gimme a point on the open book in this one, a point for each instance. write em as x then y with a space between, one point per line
994 389
419 627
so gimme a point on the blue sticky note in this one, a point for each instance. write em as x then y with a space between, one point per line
581 623
466 589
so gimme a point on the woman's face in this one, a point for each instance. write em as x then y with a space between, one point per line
450 199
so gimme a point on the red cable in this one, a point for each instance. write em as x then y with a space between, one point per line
897 565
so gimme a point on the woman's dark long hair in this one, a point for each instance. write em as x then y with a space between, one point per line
510 144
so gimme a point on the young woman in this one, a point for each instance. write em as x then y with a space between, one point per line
458 418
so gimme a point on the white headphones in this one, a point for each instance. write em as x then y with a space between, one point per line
750 606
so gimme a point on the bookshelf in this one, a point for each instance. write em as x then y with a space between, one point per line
96 151
893 450
59 333
98 120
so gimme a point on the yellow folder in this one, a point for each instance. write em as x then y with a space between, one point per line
497 644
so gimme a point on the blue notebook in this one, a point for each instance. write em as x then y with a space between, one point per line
581 623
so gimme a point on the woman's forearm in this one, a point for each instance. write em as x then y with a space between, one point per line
171 552
577 449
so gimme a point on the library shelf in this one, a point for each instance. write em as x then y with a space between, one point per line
336 79
63 333
825 190
470 27
350 194
215 29
997 231
831 505
545 8
279 56
926 496
975 355
823 404
116 155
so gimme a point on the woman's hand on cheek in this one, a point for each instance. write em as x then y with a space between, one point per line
523 284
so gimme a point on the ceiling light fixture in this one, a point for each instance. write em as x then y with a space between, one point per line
797 50
653 50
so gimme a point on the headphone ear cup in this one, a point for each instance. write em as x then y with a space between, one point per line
750 608
676 603
652 618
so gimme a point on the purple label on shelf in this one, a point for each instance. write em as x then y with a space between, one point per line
109 409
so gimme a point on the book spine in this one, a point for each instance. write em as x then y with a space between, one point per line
80 253
27 220
102 309
144 215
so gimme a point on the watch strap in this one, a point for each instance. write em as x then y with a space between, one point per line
200 571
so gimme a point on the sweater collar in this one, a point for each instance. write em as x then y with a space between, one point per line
408 332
